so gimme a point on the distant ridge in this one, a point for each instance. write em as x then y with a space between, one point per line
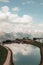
13 35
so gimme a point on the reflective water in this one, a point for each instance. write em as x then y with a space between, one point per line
24 54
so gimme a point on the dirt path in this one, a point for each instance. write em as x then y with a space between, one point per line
9 56
7 62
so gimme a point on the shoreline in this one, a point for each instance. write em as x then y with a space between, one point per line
41 53
33 45
32 42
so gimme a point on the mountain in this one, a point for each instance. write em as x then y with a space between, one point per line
37 34
9 36
12 36
5 36
2 34
23 35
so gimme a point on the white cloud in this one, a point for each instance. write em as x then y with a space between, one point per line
14 23
5 9
14 18
26 18
2 16
16 9
6 27
4 0
23 48
17 19
41 25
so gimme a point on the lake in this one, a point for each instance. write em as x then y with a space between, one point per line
24 54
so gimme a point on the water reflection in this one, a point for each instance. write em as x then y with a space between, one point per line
27 59
25 54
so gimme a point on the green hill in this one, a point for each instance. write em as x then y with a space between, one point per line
3 55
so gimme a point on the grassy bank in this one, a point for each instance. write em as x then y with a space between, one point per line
3 55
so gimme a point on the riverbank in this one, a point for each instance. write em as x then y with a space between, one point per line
35 43
28 54
5 56
32 42
41 52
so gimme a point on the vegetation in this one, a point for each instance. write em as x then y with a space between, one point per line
3 55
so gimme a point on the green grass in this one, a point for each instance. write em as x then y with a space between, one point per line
3 55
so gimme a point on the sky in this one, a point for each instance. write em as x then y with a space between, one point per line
21 16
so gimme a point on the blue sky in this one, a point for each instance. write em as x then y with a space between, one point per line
24 8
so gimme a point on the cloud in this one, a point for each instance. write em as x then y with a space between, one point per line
14 18
4 0
40 25
6 27
16 9
17 19
2 16
5 9
13 22
23 48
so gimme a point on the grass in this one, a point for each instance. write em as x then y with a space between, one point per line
3 55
